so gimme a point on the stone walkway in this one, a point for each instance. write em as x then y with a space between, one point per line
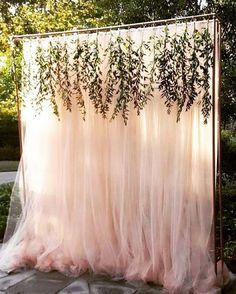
7 177
35 282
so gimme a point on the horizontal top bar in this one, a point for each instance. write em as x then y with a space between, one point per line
116 27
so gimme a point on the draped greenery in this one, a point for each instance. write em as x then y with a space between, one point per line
179 70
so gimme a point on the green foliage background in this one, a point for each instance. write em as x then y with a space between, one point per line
31 16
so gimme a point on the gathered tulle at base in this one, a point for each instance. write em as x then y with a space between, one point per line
116 199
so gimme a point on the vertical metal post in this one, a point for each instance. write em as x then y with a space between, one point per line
19 118
219 151
213 146
17 96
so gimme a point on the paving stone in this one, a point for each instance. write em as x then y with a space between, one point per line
143 287
14 278
53 275
2 274
41 283
103 287
35 282
92 277
149 291
78 286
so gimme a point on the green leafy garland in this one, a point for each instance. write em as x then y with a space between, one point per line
206 55
77 81
168 75
179 70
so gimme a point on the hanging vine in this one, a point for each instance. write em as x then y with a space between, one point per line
153 46
194 81
183 69
139 81
51 78
44 79
207 57
91 73
77 80
65 85
123 76
26 73
179 70
112 75
167 73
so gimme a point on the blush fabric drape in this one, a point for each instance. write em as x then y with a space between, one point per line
134 201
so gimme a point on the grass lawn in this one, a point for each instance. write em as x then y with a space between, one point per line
8 166
5 193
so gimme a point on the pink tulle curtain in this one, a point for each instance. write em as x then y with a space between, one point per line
134 201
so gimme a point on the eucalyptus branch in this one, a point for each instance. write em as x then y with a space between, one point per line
180 69
153 47
139 79
167 74
77 80
194 77
122 68
111 79
91 73
42 78
206 54
183 48
66 86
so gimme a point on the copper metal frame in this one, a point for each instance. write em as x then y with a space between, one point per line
216 145
213 146
216 149
216 125
117 27
18 102
219 150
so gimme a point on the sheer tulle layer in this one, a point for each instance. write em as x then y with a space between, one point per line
133 201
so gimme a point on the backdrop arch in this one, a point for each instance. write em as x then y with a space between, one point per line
167 195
